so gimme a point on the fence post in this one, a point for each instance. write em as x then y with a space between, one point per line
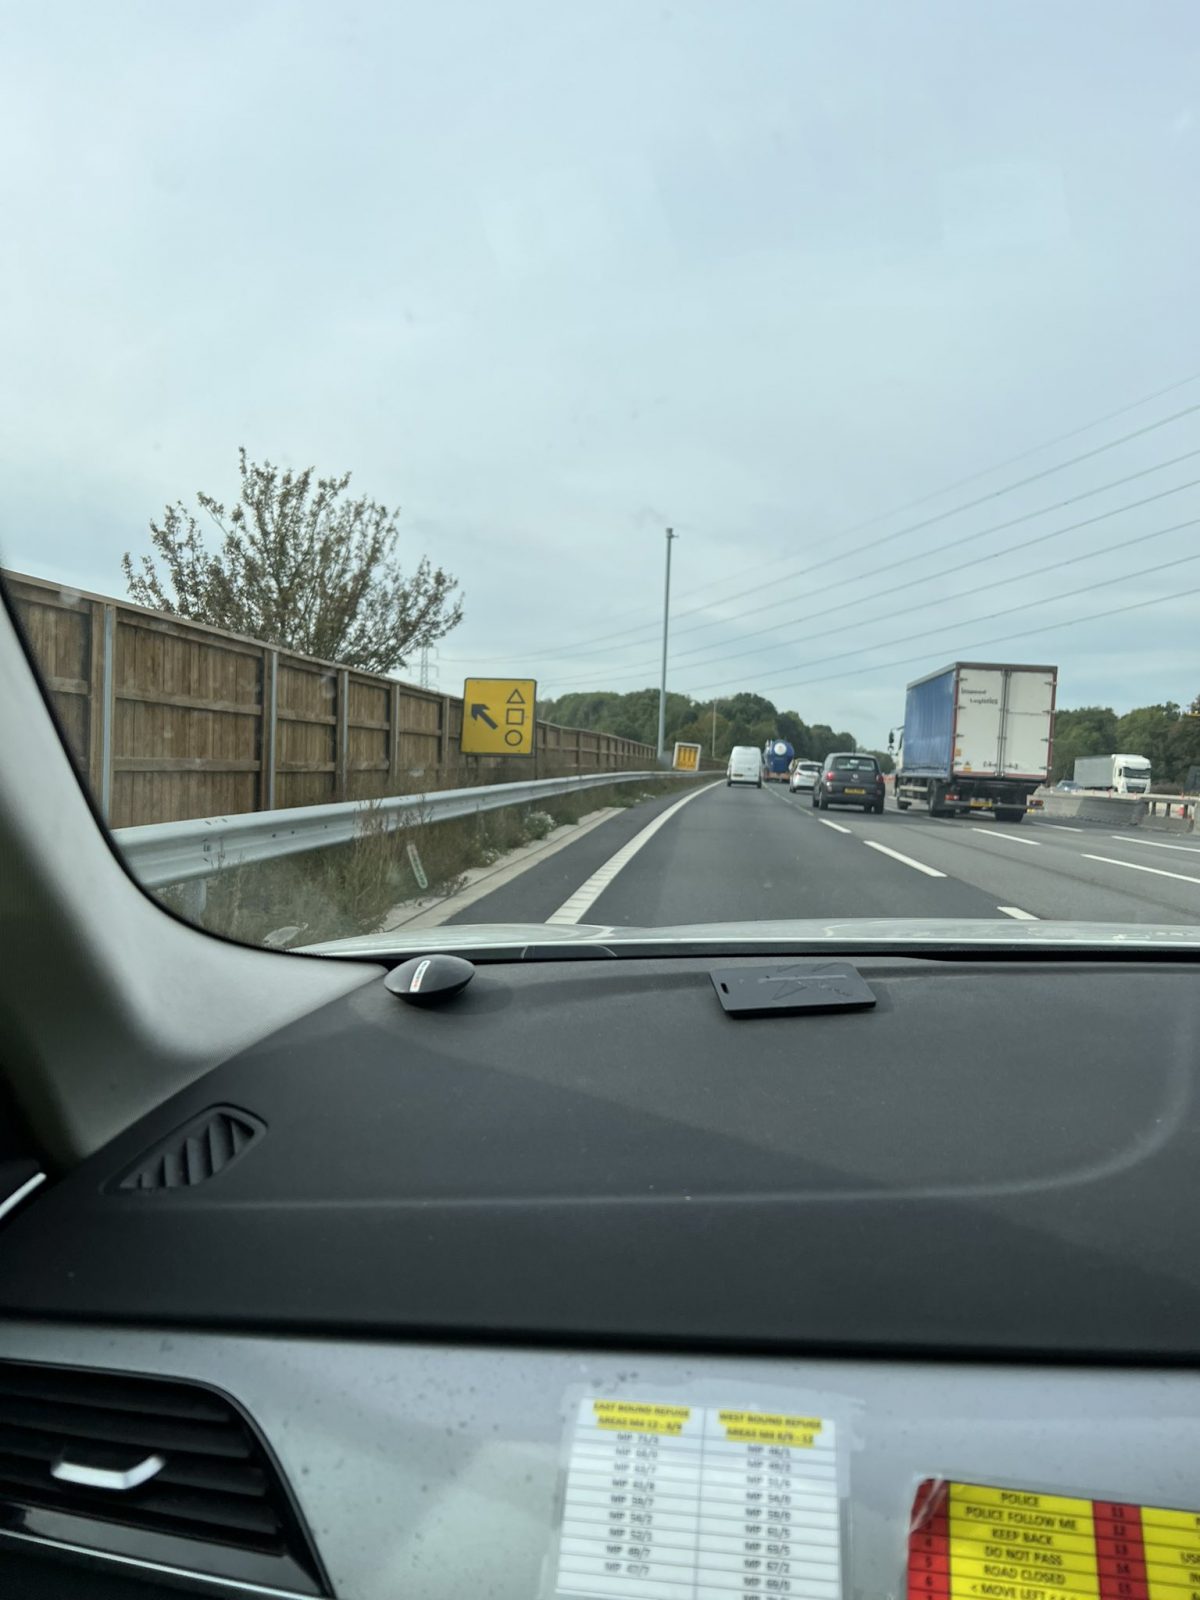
268 734
394 741
342 736
444 734
100 752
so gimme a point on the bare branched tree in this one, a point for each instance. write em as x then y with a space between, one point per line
300 564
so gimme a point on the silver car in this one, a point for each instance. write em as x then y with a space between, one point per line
804 776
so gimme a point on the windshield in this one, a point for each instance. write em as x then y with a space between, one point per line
461 457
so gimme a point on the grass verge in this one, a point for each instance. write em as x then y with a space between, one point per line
347 890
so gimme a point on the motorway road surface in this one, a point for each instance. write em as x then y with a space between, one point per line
724 854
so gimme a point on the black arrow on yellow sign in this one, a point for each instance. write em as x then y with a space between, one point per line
479 713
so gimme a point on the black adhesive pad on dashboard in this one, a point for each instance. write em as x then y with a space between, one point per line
791 988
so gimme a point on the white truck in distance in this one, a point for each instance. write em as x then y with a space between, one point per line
1113 774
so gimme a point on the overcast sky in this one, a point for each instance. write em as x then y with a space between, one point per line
553 274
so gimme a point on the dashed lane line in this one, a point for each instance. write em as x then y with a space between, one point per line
918 866
1010 838
1158 844
1015 911
836 826
1139 866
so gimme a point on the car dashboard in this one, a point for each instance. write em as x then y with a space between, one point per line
577 1285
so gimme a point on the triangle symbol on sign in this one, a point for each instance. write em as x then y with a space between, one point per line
516 698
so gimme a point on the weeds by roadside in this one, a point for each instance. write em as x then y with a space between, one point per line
349 889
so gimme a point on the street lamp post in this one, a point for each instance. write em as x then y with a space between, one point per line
662 688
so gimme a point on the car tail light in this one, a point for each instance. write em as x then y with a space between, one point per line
829 777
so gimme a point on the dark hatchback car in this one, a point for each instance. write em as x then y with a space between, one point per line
850 780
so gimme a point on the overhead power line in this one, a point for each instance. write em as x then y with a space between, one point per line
990 616
1003 638
649 628
984 472
923 555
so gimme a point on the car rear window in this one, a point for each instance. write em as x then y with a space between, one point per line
854 764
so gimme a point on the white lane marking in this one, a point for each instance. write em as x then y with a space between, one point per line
1063 827
1138 866
836 826
588 893
930 872
1015 911
787 800
1157 844
1013 838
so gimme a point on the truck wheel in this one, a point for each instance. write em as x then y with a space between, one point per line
936 808
902 805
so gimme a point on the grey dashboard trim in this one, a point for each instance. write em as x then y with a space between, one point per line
212 1585
435 1471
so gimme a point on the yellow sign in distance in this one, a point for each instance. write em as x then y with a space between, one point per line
687 758
499 716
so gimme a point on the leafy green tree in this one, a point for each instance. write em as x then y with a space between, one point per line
299 563
1147 732
743 718
1088 731
1183 749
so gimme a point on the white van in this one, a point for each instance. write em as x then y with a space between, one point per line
745 766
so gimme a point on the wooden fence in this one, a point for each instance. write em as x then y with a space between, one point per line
171 719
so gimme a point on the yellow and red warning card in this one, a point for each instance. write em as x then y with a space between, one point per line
971 1541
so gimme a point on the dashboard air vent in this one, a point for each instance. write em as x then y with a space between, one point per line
196 1152
158 1469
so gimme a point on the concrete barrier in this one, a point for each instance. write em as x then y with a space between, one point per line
1158 813
1168 813
1116 810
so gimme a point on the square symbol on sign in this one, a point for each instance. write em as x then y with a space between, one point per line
514 714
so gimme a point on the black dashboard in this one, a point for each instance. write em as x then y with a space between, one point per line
997 1158
416 1250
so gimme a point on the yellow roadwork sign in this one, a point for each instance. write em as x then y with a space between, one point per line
687 758
499 716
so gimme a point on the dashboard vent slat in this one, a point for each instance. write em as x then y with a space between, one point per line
217 1487
193 1154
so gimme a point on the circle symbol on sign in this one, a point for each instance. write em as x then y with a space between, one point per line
513 736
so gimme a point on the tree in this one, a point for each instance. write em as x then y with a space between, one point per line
300 564
1088 731
1146 731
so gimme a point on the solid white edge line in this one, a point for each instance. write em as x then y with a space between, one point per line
919 866
1138 866
1015 911
1158 844
574 906
1012 838
14 1199
835 825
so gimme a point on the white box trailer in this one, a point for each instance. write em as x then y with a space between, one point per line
977 736
1113 774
